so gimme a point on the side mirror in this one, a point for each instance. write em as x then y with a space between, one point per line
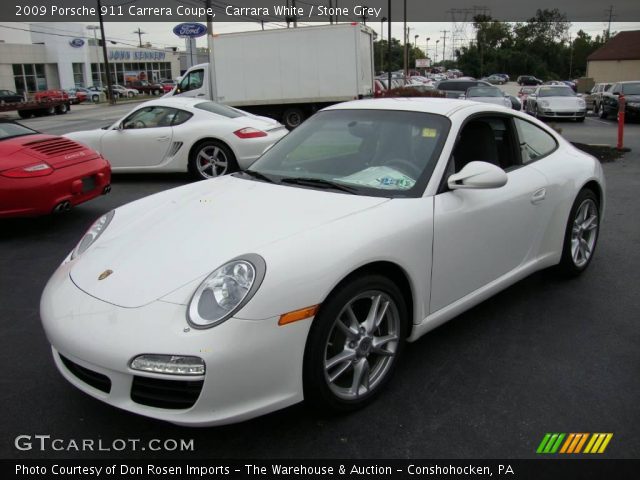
477 175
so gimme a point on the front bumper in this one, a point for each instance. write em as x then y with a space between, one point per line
544 113
252 366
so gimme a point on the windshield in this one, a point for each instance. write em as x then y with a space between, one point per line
10 130
556 92
631 88
484 92
374 152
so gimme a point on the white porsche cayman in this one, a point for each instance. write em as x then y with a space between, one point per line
177 134
369 225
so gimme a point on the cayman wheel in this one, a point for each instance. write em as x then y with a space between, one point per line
581 235
354 344
212 159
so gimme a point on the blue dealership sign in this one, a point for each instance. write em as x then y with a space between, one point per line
76 42
190 30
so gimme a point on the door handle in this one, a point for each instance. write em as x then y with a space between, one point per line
200 95
539 195
162 139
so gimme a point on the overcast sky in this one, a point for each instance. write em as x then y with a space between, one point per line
160 33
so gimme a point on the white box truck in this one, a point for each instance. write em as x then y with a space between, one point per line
287 74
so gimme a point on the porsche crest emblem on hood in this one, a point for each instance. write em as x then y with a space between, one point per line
105 274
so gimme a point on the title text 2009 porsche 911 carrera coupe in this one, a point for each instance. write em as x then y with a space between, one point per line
42 174
369 225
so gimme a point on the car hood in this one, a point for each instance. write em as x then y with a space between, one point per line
160 243
561 102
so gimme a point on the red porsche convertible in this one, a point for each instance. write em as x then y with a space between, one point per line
41 174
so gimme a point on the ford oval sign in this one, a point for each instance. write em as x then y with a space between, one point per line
76 42
190 30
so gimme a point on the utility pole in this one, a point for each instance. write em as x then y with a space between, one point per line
96 44
570 56
406 35
435 57
140 33
388 44
610 17
213 86
295 16
444 43
426 50
384 19
107 68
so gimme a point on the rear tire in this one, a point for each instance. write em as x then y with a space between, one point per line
62 109
293 117
211 159
581 234
348 361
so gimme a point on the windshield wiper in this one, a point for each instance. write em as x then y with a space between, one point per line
257 175
319 183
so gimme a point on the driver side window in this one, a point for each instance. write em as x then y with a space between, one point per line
150 117
192 81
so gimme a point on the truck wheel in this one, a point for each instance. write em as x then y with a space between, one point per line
95 98
156 92
50 110
292 118
210 159
62 109
24 114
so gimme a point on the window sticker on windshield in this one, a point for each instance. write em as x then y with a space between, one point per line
380 177
429 132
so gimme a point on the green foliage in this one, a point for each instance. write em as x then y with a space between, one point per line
397 55
539 47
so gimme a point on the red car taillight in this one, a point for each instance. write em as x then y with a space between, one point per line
36 170
249 132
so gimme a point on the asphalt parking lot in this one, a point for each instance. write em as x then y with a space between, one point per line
546 355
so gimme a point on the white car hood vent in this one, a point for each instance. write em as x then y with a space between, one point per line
162 242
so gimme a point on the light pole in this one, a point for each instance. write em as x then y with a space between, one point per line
415 40
436 55
95 41
426 51
384 19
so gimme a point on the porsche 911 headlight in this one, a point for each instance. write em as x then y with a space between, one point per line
225 291
581 103
92 234
544 103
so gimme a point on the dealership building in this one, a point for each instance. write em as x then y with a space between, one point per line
64 55
617 60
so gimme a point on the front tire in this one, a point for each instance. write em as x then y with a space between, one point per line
292 118
581 234
603 111
210 159
354 344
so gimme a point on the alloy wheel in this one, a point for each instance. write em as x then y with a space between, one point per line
584 232
362 345
211 162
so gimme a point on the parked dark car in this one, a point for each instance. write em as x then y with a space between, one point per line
7 96
457 88
144 86
528 80
631 92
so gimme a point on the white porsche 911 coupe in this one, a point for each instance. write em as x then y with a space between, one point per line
369 225
556 101
177 134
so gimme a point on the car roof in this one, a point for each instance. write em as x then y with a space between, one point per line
436 105
176 101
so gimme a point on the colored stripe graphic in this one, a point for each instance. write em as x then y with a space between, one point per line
550 443
555 443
